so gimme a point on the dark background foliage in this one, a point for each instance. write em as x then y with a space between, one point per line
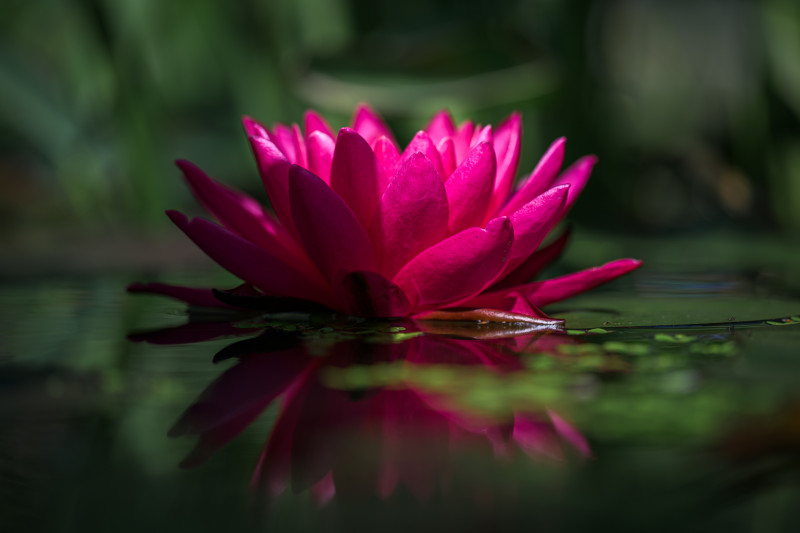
692 107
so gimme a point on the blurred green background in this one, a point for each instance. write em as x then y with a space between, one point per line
692 107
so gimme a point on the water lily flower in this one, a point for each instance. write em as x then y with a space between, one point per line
363 226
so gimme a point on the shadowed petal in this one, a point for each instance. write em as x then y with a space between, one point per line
320 154
540 179
369 125
244 216
412 214
255 265
274 169
330 232
507 140
423 143
528 269
533 222
369 294
469 188
354 174
458 267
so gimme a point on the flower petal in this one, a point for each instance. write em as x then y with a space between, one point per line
274 169
458 267
507 140
283 137
355 175
330 232
369 125
542 293
415 194
462 140
447 150
369 294
469 188
320 154
254 128
255 265
388 156
441 126
312 122
576 177
553 290
423 143
533 222
540 179
244 216
528 269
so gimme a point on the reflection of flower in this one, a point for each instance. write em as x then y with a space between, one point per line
366 229
333 439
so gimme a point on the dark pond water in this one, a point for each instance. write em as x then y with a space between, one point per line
671 403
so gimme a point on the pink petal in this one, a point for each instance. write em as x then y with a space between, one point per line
254 128
283 137
483 134
447 150
255 265
355 175
299 146
462 140
458 267
423 143
469 188
553 290
388 156
372 295
369 125
320 154
533 222
576 177
314 122
415 194
441 126
540 179
330 232
542 293
507 141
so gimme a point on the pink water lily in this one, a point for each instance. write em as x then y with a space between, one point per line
362 226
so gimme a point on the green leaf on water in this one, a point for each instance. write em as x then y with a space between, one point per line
679 338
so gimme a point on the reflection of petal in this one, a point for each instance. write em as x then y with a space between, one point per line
237 397
345 442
